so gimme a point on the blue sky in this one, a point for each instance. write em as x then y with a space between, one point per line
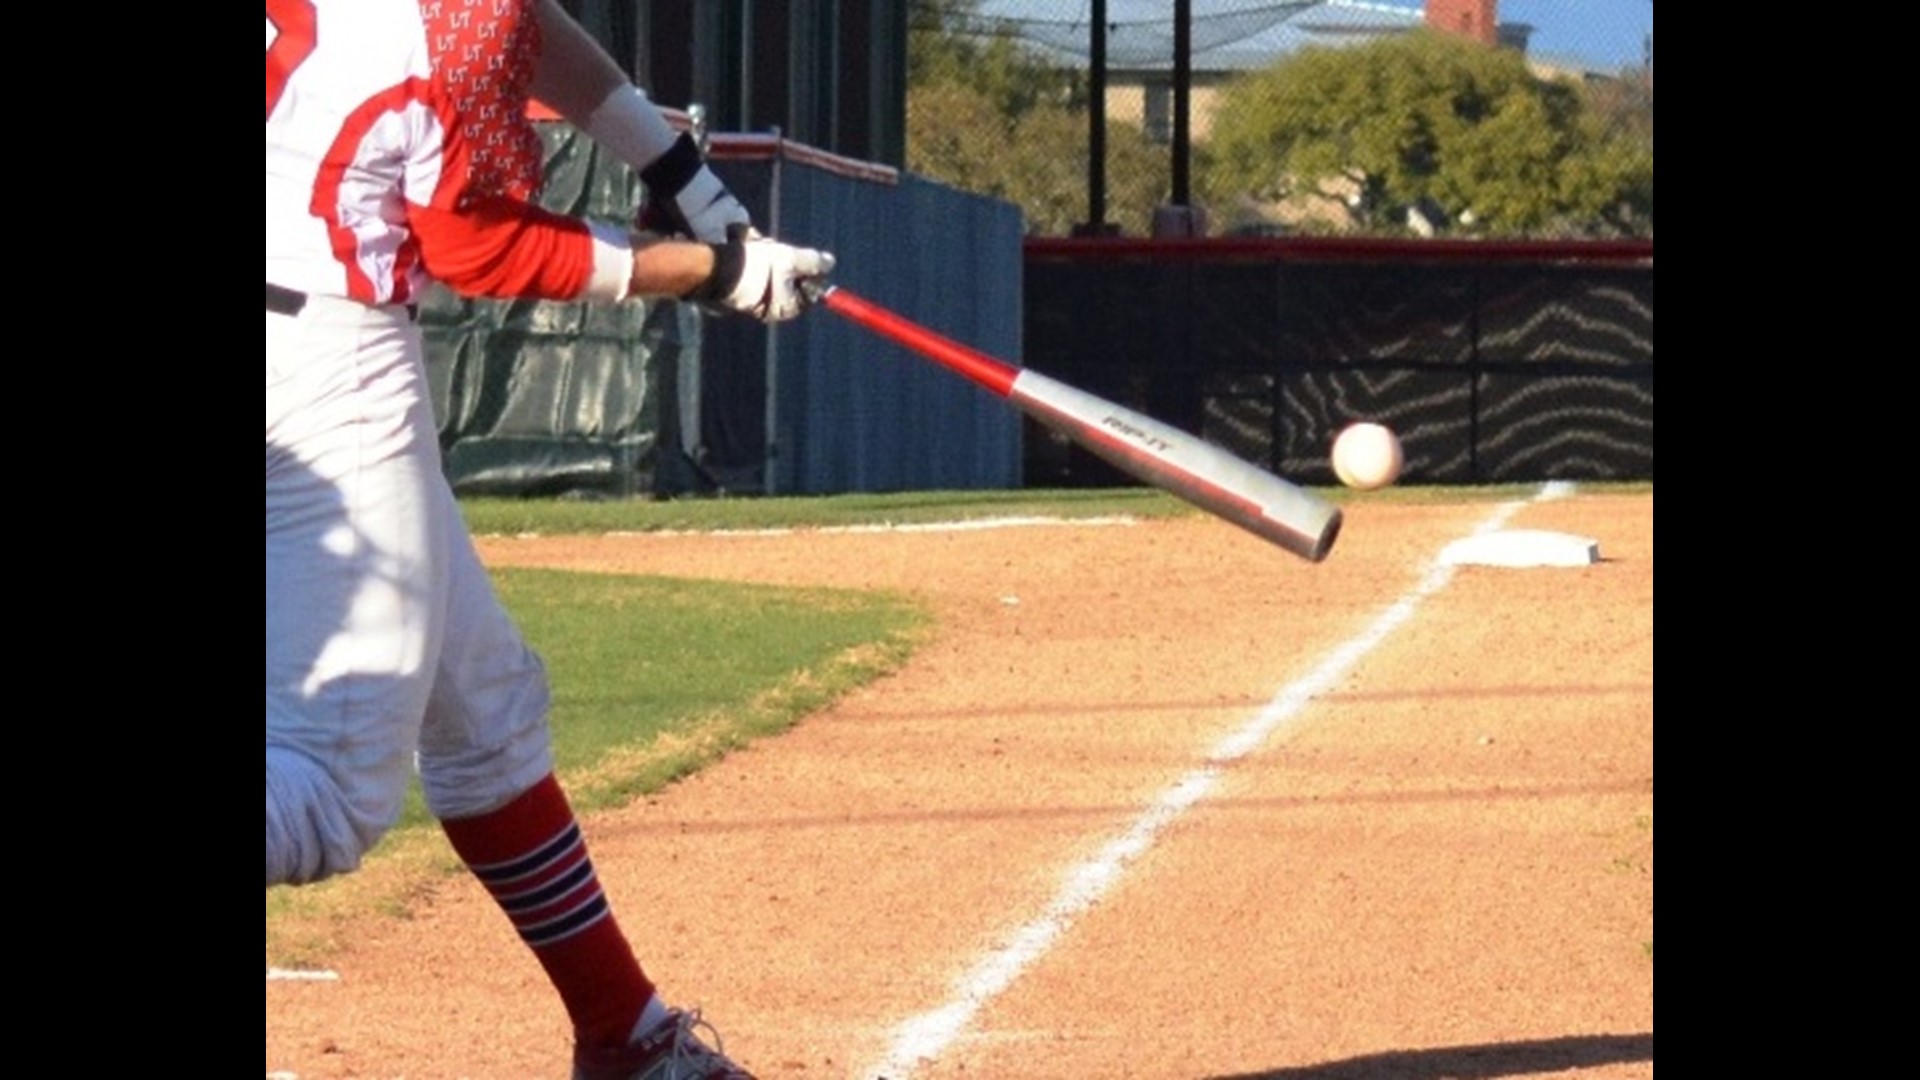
1606 32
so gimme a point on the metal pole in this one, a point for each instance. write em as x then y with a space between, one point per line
746 66
1097 121
1182 92
775 451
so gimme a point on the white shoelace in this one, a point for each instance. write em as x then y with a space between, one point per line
690 1048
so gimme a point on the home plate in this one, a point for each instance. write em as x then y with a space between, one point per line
1522 547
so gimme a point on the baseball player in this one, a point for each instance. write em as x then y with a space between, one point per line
399 151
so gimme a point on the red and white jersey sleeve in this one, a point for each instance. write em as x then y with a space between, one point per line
399 149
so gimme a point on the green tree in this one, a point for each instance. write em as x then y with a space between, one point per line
1619 121
948 43
1366 131
987 114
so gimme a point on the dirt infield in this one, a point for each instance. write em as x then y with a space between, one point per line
1157 800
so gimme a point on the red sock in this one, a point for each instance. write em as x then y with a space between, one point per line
531 858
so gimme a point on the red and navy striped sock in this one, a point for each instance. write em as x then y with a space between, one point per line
531 858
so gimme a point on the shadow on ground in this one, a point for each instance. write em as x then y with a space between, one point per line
1474 1062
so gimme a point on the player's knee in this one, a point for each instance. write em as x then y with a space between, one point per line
480 779
483 746
317 826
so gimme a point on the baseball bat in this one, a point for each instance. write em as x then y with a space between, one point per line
1173 460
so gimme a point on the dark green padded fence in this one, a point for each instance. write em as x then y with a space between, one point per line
662 399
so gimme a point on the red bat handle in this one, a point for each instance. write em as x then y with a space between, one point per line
978 366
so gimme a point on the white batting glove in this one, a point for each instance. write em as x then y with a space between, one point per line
762 278
685 198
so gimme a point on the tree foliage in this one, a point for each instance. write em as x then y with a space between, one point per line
988 114
1342 139
1427 119
1619 121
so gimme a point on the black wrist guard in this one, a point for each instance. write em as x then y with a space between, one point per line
666 176
729 263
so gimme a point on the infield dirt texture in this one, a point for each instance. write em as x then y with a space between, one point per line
1155 800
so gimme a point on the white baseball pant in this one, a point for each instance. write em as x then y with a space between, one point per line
385 639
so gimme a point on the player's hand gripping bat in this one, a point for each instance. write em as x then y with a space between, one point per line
1164 456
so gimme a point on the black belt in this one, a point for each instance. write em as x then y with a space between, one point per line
284 301
290 302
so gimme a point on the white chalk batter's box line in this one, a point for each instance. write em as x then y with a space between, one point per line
295 975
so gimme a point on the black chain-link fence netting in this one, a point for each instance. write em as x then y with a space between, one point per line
1339 117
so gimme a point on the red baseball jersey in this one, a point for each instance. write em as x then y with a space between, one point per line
399 148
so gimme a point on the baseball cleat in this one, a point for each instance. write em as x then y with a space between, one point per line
670 1052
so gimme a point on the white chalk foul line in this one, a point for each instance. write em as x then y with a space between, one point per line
296 975
923 1037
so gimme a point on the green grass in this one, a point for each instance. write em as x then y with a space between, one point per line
652 679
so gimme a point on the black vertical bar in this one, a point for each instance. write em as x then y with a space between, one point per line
1182 92
801 119
749 87
640 41
718 55
1097 120
873 89
670 52
856 79
771 56
888 56
829 62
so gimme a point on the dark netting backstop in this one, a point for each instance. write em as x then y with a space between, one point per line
1495 362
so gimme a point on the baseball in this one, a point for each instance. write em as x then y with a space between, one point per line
1367 456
